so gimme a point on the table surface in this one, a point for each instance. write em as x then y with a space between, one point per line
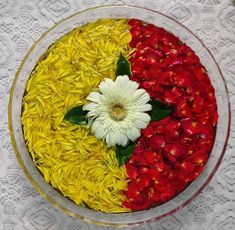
23 22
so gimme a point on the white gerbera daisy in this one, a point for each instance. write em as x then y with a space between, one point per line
117 113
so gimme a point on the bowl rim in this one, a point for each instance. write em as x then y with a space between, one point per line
51 200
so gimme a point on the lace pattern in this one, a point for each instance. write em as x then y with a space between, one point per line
23 22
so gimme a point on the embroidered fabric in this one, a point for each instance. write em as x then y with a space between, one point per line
23 22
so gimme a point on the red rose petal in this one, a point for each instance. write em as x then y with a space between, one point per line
153 195
132 171
187 166
172 152
149 156
190 126
142 182
144 170
132 191
157 142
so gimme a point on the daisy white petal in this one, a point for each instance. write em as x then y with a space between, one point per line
90 106
142 108
94 96
128 87
133 133
95 126
141 120
121 81
122 139
118 113
141 96
111 139
105 86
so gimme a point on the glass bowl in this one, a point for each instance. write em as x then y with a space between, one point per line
23 156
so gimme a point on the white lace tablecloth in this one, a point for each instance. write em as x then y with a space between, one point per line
22 22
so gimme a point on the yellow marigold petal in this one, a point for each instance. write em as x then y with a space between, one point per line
71 159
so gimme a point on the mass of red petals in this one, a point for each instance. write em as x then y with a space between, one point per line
172 152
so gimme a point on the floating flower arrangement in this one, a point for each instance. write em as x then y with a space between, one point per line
119 115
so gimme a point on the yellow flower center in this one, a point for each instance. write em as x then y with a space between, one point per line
117 111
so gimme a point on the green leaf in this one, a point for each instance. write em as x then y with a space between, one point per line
76 115
123 66
159 110
124 153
